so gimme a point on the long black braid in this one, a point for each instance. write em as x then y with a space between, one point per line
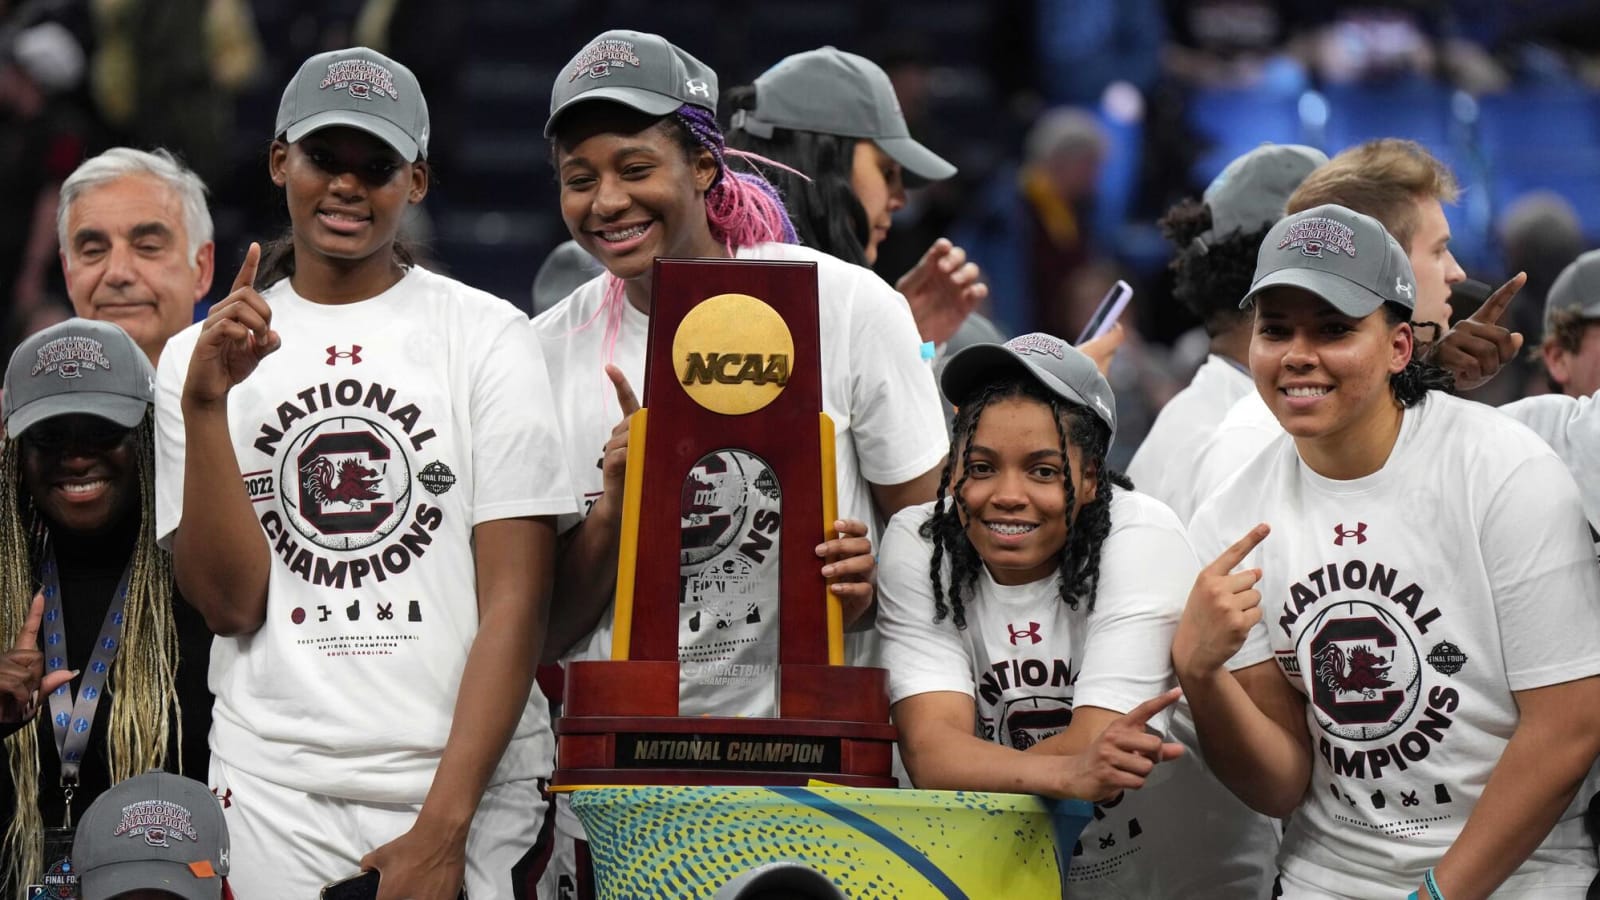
1080 555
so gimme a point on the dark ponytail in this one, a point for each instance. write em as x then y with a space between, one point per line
1413 383
819 195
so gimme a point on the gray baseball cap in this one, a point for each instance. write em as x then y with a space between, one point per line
153 832
1253 190
830 91
77 366
641 71
1577 288
1346 258
1061 368
358 88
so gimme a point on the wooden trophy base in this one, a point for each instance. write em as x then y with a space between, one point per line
621 727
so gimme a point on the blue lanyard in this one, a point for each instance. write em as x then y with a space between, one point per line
73 718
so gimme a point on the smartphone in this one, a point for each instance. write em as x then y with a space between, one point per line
357 887
1106 314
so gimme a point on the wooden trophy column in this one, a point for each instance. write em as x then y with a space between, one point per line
730 487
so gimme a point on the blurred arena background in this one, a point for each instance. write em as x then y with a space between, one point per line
1087 117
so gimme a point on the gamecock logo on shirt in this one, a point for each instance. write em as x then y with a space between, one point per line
1362 668
345 482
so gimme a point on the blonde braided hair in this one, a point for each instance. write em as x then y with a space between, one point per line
144 702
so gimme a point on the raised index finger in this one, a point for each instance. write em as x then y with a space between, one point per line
247 270
28 635
625 395
1140 715
1495 307
1235 554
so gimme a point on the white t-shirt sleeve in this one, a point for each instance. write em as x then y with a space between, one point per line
1540 563
921 657
170 374
896 419
518 460
1146 571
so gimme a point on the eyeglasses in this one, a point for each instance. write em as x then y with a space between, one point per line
84 434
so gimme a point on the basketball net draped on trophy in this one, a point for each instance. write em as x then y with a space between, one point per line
730 486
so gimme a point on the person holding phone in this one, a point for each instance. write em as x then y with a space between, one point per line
1027 615
1401 655
359 473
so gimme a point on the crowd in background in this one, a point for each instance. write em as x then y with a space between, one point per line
1074 125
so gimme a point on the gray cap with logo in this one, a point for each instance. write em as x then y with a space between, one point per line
77 366
1253 190
1061 368
153 832
1577 289
641 71
1346 258
830 91
357 88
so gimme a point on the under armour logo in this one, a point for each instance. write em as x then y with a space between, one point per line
1031 633
353 354
1401 288
1340 533
225 798
698 88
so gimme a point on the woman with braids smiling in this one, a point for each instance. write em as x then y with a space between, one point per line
121 681
1027 614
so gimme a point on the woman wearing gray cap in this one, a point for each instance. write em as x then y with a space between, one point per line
1027 616
99 645
642 166
831 117
1409 667
359 474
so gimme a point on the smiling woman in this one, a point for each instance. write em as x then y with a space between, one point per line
1472 680
644 174
81 576
359 471
1026 617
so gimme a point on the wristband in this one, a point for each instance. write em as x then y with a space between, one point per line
1413 896
1433 886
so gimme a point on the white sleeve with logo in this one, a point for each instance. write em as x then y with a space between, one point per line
896 419
1542 573
921 657
1146 571
517 453
170 440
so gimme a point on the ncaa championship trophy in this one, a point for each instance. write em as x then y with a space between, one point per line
730 485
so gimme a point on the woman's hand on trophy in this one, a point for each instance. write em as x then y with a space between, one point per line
850 567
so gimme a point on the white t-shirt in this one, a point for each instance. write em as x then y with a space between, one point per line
370 444
887 421
1244 432
1571 426
1163 467
1408 606
1027 659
